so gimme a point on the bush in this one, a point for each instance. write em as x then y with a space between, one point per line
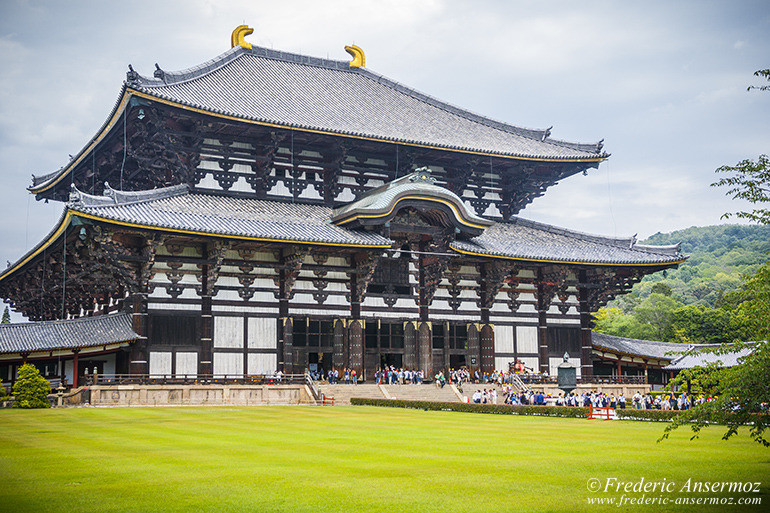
30 389
504 409
653 415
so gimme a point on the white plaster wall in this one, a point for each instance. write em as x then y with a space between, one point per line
504 339
526 339
502 364
531 362
228 363
68 368
263 333
160 363
109 364
187 363
262 363
228 331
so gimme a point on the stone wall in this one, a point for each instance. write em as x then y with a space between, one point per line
199 395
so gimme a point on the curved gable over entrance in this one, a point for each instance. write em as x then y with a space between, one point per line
418 193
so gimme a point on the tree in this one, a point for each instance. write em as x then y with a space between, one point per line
30 389
753 309
741 396
6 317
751 180
656 310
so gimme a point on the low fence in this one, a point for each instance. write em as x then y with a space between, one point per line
196 379
539 379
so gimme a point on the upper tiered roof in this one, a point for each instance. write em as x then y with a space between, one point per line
298 91
287 90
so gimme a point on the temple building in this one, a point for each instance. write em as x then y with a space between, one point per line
268 210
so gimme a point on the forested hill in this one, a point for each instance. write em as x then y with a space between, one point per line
719 255
718 295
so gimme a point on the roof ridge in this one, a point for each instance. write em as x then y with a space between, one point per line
165 78
621 242
640 340
62 321
113 197
530 133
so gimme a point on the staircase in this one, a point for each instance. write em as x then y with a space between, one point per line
422 393
343 393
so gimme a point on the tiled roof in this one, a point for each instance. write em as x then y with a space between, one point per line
176 208
70 334
528 240
696 357
298 91
643 348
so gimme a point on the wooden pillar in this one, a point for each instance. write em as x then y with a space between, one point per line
474 347
487 335
425 345
410 345
139 354
340 356
356 345
619 369
487 347
646 378
542 328
286 328
424 328
586 342
75 367
356 324
205 364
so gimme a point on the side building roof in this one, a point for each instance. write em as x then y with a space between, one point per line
697 357
32 337
635 347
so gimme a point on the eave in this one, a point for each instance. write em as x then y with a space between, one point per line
128 93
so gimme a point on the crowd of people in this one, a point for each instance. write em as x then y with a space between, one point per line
391 375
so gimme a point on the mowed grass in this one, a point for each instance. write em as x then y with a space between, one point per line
346 459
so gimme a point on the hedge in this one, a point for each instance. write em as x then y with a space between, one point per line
504 409
652 415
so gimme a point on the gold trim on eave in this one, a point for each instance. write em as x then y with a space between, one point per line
236 38
451 205
359 59
573 262
227 236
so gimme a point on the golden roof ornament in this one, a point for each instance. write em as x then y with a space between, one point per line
359 60
236 39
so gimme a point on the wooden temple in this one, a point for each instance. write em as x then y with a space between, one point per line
268 210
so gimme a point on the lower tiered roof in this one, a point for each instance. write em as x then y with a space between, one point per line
179 209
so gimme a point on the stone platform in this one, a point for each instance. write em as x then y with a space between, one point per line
199 395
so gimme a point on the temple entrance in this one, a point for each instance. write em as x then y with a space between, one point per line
457 361
319 362
391 360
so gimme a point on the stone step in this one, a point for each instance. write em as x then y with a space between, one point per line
430 392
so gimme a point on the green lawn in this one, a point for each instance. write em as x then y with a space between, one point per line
348 459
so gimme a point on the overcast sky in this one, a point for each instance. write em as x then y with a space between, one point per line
663 83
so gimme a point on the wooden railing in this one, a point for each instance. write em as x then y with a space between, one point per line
317 395
538 379
199 379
